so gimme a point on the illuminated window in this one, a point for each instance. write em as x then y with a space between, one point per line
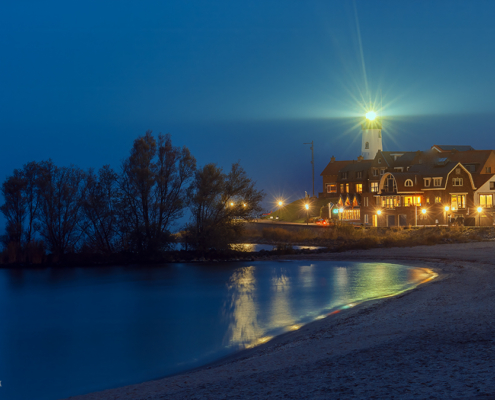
332 188
342 188
486 200
347 188
408 201
427 200
438 199
359 188
408 183
367 145
457 181
437 182
374 187
458 201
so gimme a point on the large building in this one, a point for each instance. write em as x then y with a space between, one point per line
443 185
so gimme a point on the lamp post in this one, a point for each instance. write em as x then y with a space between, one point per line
479 215
306 206
423 211
447 208
341 212
378 213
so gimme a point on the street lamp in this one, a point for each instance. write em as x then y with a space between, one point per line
446 208
378 213
423 211
306 206
341 212
479 215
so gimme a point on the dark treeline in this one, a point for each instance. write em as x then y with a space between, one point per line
52 212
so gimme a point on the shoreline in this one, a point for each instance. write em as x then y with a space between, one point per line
311 362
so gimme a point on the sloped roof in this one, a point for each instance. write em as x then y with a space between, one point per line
402 177
479 157
357 166
481 179
442 148
333 168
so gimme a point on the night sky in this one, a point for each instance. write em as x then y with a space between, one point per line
249 81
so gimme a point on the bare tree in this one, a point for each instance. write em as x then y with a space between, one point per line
14 209
99 210
61 191
219 205
153 184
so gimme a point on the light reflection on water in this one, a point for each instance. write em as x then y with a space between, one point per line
99 328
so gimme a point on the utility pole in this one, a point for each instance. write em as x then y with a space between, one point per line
313 165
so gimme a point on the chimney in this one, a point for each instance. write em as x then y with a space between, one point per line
360 158
332 159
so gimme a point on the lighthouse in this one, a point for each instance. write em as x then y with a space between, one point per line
372 136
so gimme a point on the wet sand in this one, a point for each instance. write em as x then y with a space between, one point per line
436 341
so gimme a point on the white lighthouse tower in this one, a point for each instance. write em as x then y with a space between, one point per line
372 136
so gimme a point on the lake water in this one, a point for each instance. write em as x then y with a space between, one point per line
74 331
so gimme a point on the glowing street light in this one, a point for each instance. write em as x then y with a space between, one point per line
479 215
446 208
379 212
232 204
371 115
423 211
306 206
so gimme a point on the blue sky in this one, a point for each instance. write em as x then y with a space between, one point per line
249 81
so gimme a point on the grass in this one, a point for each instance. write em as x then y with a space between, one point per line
295 211
347 237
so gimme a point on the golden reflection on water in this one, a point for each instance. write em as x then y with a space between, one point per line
280 313
244 327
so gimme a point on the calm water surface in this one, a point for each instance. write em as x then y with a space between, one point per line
74 331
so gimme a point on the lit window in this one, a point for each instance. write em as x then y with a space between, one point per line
457 181
347 188
427 200
332 188
374 187
408 183
486 200
438 199
458 201
437 182
359 188
342 188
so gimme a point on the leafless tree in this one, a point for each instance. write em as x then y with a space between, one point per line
61 192
219 204
153 182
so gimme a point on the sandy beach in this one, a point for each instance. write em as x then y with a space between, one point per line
433 342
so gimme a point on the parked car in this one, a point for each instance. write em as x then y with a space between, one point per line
323 222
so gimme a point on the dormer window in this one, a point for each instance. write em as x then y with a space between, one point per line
359 174
408 183
427 182
437 182
457 181
344 175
